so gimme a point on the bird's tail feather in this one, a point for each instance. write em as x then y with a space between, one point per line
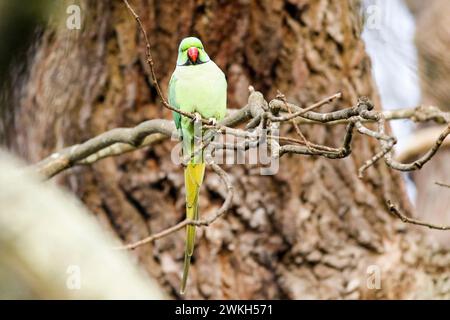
193 178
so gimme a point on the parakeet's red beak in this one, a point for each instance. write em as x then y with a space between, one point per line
192 54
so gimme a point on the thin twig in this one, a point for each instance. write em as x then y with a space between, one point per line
150 63
445 185
393 209
386 141
200 223
301 142
157 236
282 97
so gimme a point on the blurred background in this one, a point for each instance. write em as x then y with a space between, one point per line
407 46
72 69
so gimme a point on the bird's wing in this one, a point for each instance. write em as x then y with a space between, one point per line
173 101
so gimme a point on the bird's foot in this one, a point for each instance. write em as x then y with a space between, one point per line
212 121
197 117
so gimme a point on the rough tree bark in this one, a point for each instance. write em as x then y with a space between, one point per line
433 201
311 231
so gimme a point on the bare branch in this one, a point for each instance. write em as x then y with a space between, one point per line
417 114
304 111
121 140
134 137
122 148
331 153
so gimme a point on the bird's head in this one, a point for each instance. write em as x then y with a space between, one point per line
191 52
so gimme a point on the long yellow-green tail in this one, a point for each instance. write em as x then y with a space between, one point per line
193 178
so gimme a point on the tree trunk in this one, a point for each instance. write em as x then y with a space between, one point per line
314 230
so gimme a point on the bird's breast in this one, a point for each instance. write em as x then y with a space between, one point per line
202 88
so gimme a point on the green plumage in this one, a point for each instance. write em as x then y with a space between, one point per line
196 86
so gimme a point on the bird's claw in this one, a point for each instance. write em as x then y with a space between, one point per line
212 121
197 117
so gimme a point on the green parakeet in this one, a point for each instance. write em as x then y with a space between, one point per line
197 86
